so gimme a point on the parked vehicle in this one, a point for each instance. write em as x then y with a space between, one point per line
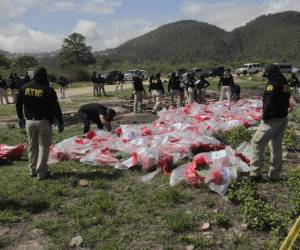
284 67
195 71
128 76
216 71
249 68
110 77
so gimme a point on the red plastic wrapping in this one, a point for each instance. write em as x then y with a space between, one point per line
11 153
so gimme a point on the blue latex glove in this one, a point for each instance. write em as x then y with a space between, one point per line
60 127
22 123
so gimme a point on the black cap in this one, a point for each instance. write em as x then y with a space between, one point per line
40 75
271 70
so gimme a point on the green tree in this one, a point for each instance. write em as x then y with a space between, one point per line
74 51
26 62
4 61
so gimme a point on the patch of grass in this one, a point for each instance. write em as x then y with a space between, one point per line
241 242
291 140
258 214
171 195
7 217
198 242
293 185
222 220
180 222
234 137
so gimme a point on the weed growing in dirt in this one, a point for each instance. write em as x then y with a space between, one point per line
222 220
291 139
198 242
234 137
240 242
180 222
293 185
258 213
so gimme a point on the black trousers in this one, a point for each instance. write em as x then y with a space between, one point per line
87 122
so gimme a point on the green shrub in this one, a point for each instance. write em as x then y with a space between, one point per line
221 220
234 137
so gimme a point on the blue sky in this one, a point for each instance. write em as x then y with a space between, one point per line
40 25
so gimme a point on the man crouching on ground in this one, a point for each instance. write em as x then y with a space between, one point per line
41 108
97 113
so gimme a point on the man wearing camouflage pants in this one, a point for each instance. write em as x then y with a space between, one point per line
274 121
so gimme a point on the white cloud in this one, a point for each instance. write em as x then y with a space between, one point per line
231 14
16 8
113 34
19 38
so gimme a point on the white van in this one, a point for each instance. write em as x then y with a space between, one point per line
249 68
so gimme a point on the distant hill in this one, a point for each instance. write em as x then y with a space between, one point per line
274 37
183 41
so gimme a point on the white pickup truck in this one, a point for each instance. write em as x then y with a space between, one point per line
249 68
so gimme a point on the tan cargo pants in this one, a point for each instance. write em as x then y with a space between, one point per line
39 135
178 96
156 94
190 95
225 90
138 99
271 132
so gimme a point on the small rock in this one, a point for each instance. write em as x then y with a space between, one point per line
205 226
223 230
76 241
215 210
83 183
190 247
206 233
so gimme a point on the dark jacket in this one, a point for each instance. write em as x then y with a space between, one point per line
226 81
202 84
190 83
138 84
174 83
276 98
39 102
93 112
156 84
3 84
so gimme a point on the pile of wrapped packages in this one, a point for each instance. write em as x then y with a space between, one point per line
177 134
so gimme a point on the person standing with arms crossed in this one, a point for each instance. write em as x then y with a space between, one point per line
274 121
226 84
41 109
201 86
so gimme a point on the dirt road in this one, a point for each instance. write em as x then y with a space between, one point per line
71 92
